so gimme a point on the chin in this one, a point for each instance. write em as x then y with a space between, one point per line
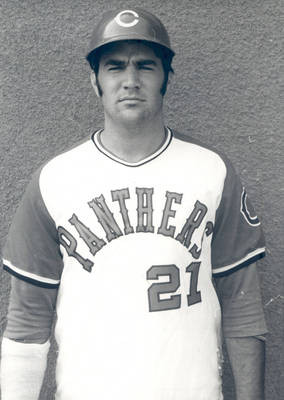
135 116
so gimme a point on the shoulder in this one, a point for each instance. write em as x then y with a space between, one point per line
187 139
208 154
75 153
60 169
64 165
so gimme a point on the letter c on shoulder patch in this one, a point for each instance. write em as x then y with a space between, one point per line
251 220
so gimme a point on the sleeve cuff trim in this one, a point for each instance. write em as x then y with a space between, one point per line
30 277
248 259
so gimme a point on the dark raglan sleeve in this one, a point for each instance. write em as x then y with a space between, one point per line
238 242
32 256
237 238
32 251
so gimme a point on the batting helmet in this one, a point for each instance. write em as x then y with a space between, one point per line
134 24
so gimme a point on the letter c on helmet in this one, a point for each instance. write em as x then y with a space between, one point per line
133 21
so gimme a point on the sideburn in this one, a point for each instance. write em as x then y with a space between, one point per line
99 87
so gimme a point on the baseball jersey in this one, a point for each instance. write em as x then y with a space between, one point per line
132 248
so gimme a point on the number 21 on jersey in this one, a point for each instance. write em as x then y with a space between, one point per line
156 303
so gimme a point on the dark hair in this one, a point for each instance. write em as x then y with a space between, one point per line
160 51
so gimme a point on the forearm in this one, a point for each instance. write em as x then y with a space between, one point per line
247 359
22 369
25 345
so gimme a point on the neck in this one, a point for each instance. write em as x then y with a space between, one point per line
133 142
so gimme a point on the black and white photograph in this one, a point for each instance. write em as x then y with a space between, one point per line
142 200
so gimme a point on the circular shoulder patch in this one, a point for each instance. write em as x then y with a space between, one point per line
248 214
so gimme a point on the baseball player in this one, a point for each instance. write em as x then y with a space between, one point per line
140 238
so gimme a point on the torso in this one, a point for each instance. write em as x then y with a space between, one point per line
141 318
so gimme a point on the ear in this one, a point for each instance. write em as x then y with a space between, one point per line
94 83
170 77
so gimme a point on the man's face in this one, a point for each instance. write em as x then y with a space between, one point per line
130 77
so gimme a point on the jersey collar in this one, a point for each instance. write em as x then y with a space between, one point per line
160 150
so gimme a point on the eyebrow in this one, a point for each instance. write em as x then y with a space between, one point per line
146 62
114 62
119 63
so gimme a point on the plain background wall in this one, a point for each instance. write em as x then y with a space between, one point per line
225 92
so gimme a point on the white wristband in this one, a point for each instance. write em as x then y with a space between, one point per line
22 369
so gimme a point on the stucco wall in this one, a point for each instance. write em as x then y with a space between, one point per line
226 92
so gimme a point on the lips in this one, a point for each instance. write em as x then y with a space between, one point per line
128 98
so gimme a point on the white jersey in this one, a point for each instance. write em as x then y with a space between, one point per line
132 247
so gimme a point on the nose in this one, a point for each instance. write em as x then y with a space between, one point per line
131 80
